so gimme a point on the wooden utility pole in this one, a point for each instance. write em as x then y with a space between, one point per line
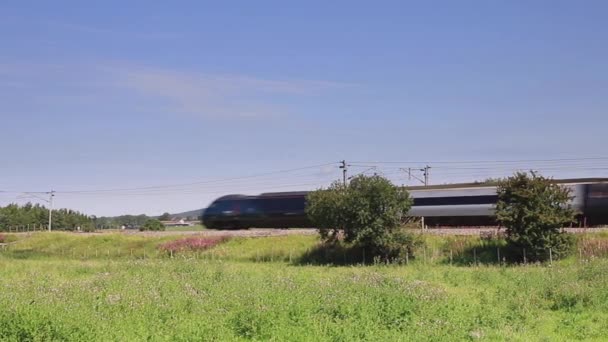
51 195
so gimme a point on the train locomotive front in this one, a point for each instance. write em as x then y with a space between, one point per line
271 210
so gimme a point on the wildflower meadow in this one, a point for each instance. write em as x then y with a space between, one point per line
70 287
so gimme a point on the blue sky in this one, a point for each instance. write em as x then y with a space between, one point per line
114 95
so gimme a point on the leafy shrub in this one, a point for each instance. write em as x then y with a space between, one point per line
152 224
401 245
534 209
192 243
369 213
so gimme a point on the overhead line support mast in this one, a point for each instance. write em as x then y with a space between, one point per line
344 168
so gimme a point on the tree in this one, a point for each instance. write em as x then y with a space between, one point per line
152 224
165 217
369 212
34 216
124 220
534 209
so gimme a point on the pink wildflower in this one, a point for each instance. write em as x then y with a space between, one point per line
193 243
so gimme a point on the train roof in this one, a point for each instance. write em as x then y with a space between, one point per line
232 197
452 186
493 184
284 194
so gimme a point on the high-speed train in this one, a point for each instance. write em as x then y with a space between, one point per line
440 205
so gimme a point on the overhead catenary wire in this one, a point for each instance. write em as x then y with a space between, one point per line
196 182
491 168
487 166
203 189
482 161
442 169
199 192
263 180
227 187
214 186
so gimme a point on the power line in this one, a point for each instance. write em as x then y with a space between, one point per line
540 168
194 183
232 187
480 161
363 172
195 192
23 192
446 168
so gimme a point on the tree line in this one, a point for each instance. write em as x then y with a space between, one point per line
134 221
36 216
141 222
116 222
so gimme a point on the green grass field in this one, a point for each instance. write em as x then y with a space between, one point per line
76 287
195 228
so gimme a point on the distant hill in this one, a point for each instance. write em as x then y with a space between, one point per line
192 213
138 220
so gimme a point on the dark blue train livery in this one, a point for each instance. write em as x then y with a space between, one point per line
440 205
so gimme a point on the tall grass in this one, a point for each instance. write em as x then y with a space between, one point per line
197 227
189 299
192 244
297 249
266 249
247 289
74 245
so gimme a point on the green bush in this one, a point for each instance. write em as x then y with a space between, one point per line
368 213
534 209
152 224
88 228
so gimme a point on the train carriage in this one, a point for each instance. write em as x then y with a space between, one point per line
440 205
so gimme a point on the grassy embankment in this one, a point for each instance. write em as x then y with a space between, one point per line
194 228
248 289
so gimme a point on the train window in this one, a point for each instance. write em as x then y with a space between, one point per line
456 200
271 205
249 206
220 206
598 191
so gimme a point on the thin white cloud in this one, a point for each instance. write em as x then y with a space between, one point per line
87 29
211 95
168 90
